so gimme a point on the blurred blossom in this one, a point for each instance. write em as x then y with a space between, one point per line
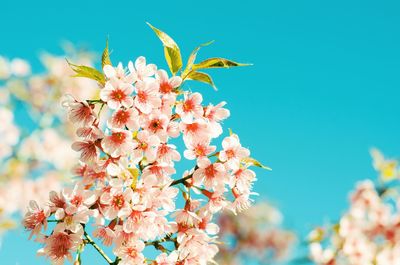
36 137
20 67
9 133
388 169
254 235
369 232
5 70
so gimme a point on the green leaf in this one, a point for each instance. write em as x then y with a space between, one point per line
105 57
173 58
217 63
171 50
252 161
192 58
88 72
201 77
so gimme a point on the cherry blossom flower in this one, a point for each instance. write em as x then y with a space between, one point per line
117 73
147 146
141 71
119 143
191 107
167 85
210 174
124 117
117 201
117 93
198 148
233 152
147 96
165 259
106 234
89 150
35 218
60 245
131 252
216 114
79 112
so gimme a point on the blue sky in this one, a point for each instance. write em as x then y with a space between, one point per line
323 89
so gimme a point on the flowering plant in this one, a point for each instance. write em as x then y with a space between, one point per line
369 232
35 155
125 186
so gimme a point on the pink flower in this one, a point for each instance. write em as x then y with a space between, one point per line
196 247
117 201
206 224
35 218
165 259
165 198
119 143
233 152
57 200
124 117
78 112
242 179
186 217
167 85
147 145
117 94
197 148
91 133
59 245
209 174
191 107
214 115
147 97
106 234
72 221
157 123
216 201
242 201
141 71
117 73
130 253
79 198
167 153
196 129
89 151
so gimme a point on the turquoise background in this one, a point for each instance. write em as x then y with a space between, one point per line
324 87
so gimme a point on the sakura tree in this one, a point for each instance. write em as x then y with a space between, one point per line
35 155
126 189
369 231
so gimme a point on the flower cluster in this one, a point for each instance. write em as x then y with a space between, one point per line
254 235
126 185
369 232
35 154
